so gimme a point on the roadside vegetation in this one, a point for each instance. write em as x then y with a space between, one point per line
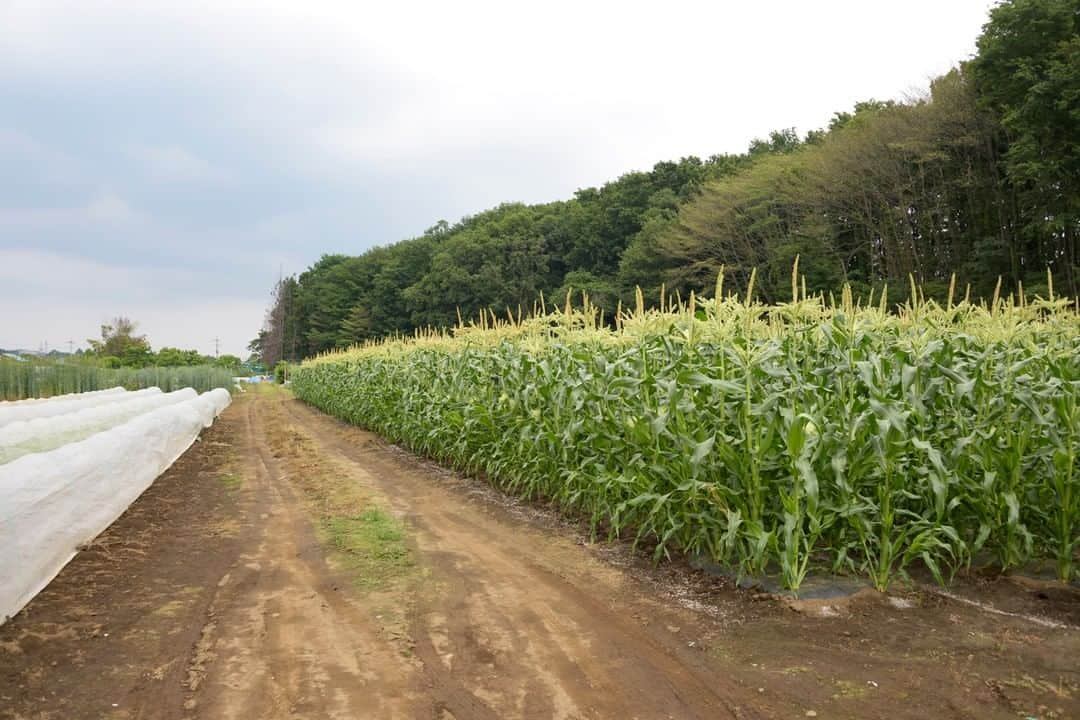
818 434
119 357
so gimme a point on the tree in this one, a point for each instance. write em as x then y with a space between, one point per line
255 347
175 357
119 341
1027 71
602 292
278 339
357 325
231 362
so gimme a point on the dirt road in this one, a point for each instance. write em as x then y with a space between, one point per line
289 566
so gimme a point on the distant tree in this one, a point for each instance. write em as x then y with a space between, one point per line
278 339
255 347
175 357
119 341
1027 72
231 362
497 261
645 263
356 326
780 141
602 292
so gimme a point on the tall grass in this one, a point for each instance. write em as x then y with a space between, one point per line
32 379
813 434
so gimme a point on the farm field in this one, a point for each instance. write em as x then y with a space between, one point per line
290 565
477 361
21 380
70 465
814 437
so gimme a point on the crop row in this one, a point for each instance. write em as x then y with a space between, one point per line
47 378
783 438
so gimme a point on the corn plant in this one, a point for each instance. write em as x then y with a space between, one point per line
831 435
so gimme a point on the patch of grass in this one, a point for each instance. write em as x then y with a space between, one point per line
365 542
231 480
269 389
372 547
847 689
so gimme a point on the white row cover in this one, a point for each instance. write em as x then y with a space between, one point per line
52 503
62 398
70 403
23 437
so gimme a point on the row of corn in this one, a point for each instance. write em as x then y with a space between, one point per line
818 435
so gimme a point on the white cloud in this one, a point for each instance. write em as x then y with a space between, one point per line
104 209
44 274
193 325
61 297
36 159
108 207
171 163
251 135
634 82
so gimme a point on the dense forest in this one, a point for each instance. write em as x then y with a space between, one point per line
979 177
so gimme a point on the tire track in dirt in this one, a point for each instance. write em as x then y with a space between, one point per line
534 626
518 623
282 639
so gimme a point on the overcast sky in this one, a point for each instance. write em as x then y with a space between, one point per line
165 160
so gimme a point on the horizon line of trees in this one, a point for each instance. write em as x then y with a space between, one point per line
979 176
119 346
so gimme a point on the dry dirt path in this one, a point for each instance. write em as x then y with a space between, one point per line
290 566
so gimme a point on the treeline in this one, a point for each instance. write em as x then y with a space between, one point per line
503 257
120 347
980 177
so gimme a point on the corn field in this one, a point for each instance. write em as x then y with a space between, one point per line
30 379
820 435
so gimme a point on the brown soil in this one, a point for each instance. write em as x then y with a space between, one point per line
224 592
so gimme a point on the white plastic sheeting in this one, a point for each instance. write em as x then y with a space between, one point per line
70 403
51 503
23 437
62 398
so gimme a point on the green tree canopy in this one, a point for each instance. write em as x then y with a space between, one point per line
120 343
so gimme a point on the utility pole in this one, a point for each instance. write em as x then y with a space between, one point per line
217 344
